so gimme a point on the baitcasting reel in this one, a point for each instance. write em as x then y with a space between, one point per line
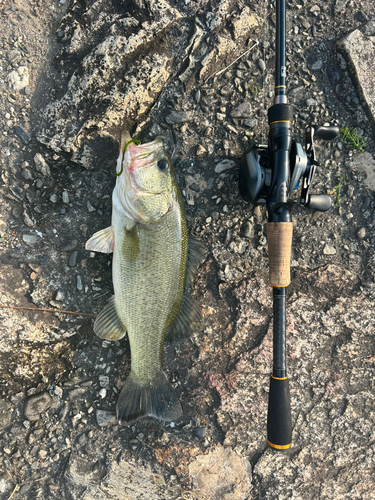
255 177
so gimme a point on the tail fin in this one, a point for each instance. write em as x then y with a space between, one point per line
154 399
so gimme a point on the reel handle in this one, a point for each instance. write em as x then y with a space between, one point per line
320 202
326 133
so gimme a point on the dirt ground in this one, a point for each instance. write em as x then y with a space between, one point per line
59 384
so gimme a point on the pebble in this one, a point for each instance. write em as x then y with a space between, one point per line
73 259
315 62
90 208
60 296
261 64
175 117
361 233
103 393
104 380
14 56
37 404
200 432
19 131
57 391
197 96
53 198
19 79
105 418
242 110
247 230
224 165
252 123
5 413
201 151
329 250
311 102
68 245
41 165
79 283
65 197
30 239
82 439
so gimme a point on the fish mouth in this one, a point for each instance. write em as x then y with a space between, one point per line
137 150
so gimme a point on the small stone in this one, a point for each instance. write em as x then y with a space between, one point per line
57 391
90 208
176 117
79 283
197 96
104 380
361 233
73 259
82 439
311 102
14 56
105 418
200 432
60 296
252 123
68 245
41 165
37 404
25 138
30 239
224 165
242 110
315 62
53 198
19 79
261 64
42 454
103 393
200 150
329 250
65 197
247 230
5 413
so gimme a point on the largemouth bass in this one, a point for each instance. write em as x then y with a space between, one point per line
152 262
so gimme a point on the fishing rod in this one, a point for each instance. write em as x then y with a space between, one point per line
268 175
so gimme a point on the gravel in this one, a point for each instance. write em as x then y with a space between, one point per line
59 138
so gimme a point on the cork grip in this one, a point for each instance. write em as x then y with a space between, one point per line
279 236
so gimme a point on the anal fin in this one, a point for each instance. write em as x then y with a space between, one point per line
189 317
108 324
102 241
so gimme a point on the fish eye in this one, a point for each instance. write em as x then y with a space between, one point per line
162 164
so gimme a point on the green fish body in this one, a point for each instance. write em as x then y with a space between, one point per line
151 262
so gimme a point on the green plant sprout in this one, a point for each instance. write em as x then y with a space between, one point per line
337 189
352 139
254 90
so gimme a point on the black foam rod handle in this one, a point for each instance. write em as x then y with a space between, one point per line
320 202
326 133
279 421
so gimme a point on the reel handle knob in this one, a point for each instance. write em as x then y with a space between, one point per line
326 133
320 202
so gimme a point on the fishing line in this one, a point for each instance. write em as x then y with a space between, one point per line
137 143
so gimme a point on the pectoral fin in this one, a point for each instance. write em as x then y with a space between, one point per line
102 241
108 324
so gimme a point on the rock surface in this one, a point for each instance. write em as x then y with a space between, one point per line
359 48
199 74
